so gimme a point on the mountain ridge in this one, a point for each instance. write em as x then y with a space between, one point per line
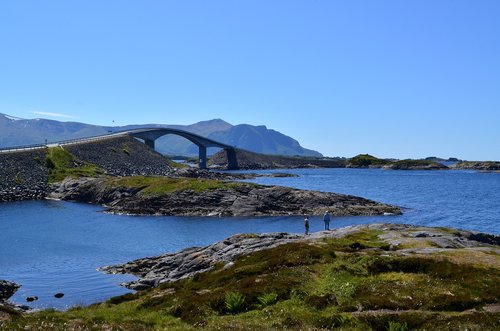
16 131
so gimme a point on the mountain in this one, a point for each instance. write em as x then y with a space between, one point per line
16 131
259 138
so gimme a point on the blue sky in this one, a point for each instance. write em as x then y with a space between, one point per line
391 78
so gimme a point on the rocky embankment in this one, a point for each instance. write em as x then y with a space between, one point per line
477 165
122 156
188 262
253 161
414 165
23 175
217 198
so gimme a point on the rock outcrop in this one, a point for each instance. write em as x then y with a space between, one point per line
253 161
188 262
231 199
415 165
7 289
477 165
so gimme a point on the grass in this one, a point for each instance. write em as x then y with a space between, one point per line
412 163
351 283
365 160
157 186
176 165
61 164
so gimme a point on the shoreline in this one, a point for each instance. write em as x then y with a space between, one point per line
174 285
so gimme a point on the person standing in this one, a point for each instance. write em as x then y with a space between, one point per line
326 219
306 224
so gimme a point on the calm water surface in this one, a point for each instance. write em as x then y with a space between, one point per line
56 246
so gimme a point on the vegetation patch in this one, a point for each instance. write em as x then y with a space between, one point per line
157 186
177 165
413 163
366 160
61 164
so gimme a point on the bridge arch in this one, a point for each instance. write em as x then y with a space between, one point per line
150 135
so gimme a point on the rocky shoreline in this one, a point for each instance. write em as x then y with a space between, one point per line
186 263
225 199
7 290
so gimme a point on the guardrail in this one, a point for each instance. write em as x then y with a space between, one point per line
61 142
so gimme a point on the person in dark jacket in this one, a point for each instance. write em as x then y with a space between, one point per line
326 219
306 224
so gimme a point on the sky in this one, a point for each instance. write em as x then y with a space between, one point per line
402 79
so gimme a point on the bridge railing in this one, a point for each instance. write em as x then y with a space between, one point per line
59 142
24 147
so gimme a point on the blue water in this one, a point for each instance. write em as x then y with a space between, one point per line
56 246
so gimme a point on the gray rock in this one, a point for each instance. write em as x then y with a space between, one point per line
7 289
186 263
243 200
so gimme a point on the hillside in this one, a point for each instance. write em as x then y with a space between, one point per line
259 139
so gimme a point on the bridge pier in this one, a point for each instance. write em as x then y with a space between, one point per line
203 157
232 161
150 143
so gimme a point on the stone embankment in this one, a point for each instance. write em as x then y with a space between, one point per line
23 175
188 262
122 156
237 199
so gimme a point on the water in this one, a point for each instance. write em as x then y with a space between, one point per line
461 199
56 246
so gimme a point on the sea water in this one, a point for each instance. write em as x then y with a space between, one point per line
56 247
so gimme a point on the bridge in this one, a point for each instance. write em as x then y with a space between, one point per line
148 135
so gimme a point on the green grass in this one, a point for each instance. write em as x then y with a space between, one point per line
61 164
412 163
325 285
157 186
177 165
365 160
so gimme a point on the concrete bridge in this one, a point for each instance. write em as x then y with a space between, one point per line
148 135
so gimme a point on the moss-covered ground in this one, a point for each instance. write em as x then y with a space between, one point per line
157 185
62 164
352 283
365 160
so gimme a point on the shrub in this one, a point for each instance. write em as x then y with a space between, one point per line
267 299
396 326
234 302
